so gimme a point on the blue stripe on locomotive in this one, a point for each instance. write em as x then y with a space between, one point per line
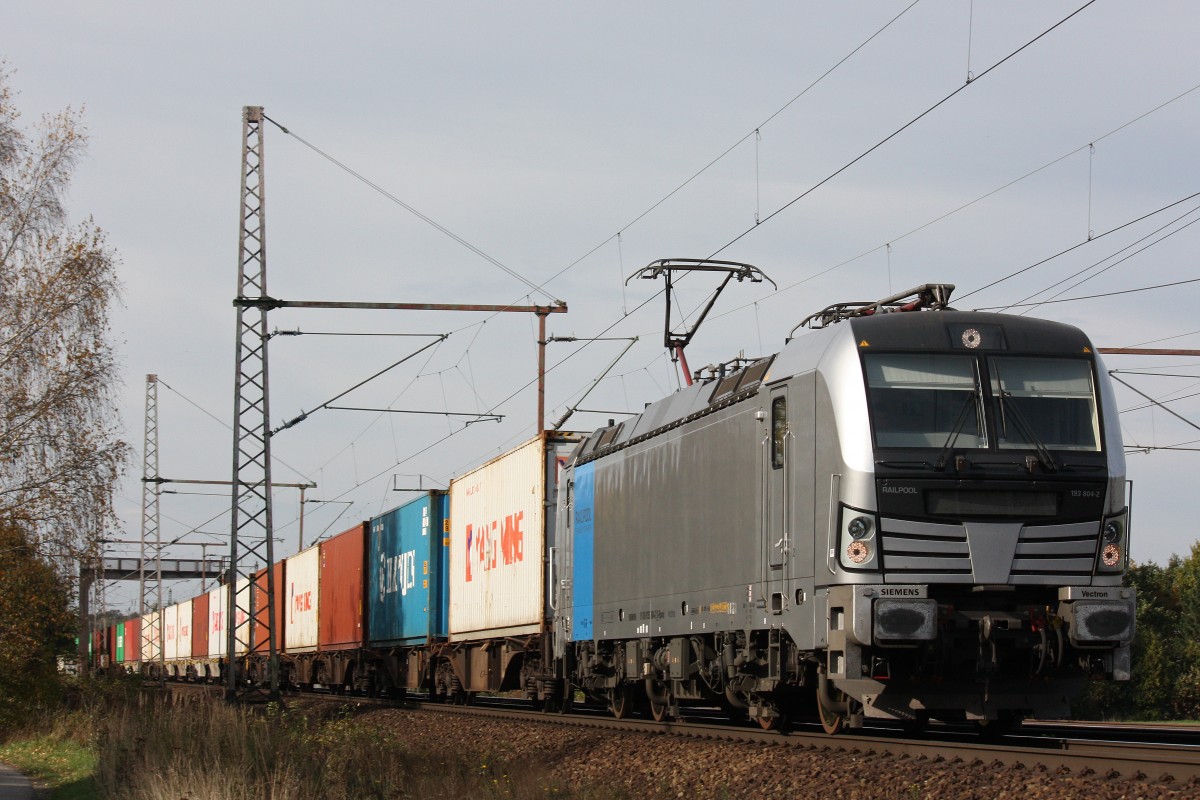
408 573
582 553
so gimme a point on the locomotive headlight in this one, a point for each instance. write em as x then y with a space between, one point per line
857 551
1114 541
858 528
858 546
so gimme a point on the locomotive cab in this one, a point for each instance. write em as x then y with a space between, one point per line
976 571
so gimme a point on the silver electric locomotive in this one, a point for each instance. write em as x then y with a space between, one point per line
909 512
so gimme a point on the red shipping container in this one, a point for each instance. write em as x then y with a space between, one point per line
98 651
260 636
200 626
133 640
343 561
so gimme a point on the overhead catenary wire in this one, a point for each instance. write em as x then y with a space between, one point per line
1076 246
1095 296
757 128
900 130
964 206
510 397
1160 229
412 210
223 423
305 415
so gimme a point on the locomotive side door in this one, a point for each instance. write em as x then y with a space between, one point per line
561 566
777 468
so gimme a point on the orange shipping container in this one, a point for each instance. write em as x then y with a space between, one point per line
200 626
133 640
341 590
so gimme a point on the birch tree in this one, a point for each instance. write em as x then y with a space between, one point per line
60 446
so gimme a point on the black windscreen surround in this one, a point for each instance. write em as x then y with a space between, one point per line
968 402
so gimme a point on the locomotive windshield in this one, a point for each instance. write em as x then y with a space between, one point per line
937 400
1046 400
924 400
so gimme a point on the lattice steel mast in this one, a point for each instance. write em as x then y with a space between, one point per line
251 545
151 532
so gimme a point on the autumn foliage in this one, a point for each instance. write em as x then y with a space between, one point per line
36 622
60 452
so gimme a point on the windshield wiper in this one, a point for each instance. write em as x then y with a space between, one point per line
1026 430
940 464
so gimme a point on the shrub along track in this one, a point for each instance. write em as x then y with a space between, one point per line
706 759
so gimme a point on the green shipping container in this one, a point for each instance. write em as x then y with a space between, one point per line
120 642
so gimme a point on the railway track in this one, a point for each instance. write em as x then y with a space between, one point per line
1158 754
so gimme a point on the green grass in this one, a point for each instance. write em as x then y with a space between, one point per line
61 763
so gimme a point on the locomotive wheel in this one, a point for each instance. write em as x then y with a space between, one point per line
620 703
659 711
832 722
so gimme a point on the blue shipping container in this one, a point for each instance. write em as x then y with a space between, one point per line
408 581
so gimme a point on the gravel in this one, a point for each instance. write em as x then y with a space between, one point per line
595 763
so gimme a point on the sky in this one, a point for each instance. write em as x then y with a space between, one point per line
849 151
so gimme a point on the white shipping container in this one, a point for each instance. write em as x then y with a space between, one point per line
218 604
183 631
497 543
302 574
241 615
150 636
170 632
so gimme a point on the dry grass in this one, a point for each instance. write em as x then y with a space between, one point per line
209 750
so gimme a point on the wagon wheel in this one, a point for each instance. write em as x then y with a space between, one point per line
658 711
620 703
833 722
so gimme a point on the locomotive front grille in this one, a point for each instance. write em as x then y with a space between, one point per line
1057 550
992 552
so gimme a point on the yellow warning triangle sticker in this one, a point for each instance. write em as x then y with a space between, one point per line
1087 349
864 343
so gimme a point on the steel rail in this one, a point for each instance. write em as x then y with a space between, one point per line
1062 748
